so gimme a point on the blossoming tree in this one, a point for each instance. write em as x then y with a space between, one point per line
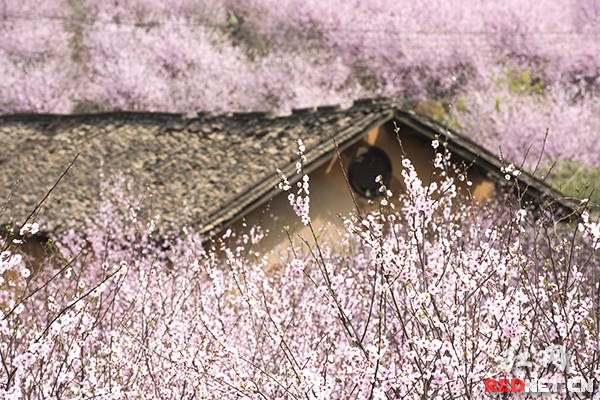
421 303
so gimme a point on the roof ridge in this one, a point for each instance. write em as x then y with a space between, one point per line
43 117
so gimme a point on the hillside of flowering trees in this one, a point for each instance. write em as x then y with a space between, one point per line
498 71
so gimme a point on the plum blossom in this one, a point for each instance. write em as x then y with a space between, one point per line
521 215
31 228
298 266
9 260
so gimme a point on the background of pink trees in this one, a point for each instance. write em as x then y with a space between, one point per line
518 66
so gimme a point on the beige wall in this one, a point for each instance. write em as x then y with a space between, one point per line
330 196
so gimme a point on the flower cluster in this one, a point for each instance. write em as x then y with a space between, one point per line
510 171
31 228
8 261
591 229
301 200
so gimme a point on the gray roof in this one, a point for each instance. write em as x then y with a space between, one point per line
219 167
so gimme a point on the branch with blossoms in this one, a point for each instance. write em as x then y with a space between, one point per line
301 208
301 200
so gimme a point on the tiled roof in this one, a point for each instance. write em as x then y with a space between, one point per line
218 166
